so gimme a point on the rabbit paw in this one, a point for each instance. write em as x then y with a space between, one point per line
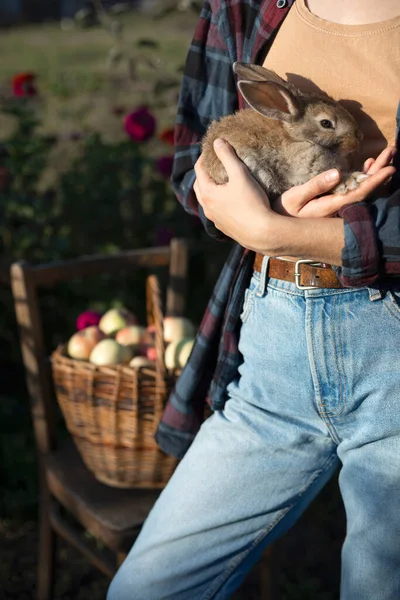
350 182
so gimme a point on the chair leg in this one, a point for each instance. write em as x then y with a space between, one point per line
121 556
265 576
47 548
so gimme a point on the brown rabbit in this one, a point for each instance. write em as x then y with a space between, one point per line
287 136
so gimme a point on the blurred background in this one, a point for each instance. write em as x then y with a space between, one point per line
88 94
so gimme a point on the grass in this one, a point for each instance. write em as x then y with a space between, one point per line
77 84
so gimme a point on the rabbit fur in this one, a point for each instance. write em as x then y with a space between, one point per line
287 136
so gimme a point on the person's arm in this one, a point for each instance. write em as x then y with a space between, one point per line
372 241
208 91
241 209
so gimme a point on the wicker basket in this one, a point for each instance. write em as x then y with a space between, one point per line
113 412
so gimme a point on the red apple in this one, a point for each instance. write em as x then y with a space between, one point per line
115 319
148 339
151 353
82 342
131 336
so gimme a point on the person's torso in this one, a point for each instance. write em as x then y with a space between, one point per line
356 64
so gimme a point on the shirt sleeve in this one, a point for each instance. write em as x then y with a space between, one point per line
372 241
208 91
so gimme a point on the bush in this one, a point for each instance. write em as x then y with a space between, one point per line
111 196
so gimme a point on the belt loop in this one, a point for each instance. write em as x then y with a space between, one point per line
375 294
263 277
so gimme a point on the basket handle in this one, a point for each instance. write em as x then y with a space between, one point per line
155 316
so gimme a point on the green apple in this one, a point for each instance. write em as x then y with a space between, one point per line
177 328
185 350
177 353
115 319
141 361
109 352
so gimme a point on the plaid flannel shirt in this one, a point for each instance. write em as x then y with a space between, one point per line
227 31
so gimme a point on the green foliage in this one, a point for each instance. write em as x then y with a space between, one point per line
109 197
18 482
27 152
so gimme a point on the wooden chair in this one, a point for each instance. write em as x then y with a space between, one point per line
112 515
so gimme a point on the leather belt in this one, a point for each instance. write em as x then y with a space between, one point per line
306 274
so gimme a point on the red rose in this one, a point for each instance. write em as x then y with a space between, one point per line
87 319
140 125
23 85
164 166
167 136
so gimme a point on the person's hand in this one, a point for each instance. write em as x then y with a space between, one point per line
372 165
303 200
238 208
241 209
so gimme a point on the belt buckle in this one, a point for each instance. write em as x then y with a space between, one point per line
297 274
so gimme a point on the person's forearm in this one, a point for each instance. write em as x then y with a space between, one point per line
242 211
321 240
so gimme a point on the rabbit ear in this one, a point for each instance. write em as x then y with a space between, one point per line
271 100
249 72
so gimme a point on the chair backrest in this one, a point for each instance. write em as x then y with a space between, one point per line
26 279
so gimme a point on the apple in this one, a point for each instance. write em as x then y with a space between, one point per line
177 328
148 339
171 355
131 336
141 361
177 353
115 319
184 351
82 342
151 353
109 352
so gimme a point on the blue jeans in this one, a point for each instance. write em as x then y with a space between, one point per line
319 387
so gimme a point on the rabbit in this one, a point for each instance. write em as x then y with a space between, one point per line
287 136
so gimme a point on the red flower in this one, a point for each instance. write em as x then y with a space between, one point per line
140 125
87 319
164 166
23 85
167 136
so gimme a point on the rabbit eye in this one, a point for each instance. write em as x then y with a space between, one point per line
326 124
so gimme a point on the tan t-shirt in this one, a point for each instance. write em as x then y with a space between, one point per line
356 64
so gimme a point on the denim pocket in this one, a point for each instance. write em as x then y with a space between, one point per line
392 302
249 298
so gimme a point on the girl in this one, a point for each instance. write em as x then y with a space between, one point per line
300 361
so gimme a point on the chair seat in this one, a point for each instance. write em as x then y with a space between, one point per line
114 515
